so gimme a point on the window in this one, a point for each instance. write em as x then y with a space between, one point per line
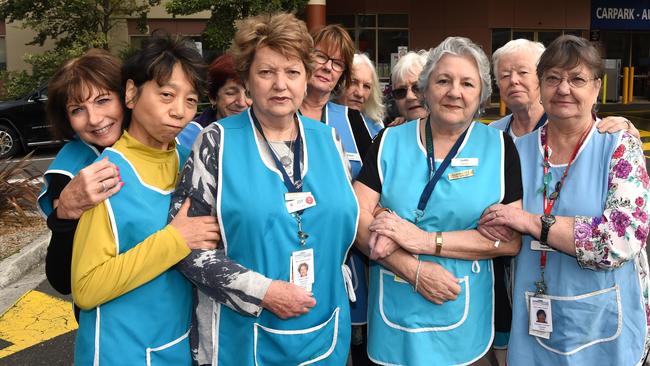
377 35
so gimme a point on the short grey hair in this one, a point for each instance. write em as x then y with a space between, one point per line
374 106
463 47
514 46
406 64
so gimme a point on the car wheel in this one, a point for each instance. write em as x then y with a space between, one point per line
9 142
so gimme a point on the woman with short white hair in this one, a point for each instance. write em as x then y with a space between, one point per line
405 91
428 255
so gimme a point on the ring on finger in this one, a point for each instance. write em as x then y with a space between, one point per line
629 124
103 186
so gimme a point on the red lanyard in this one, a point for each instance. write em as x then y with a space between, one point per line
549 200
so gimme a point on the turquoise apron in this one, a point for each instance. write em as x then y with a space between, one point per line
148 325
188 135
74 156
260 234
598 316
404 328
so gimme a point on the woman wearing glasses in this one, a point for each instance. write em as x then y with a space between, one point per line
585 220
404 78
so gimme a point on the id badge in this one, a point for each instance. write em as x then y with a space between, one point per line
536 245
464 162
302 268
540 323
299 201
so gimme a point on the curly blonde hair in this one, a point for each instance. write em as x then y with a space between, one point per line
282 32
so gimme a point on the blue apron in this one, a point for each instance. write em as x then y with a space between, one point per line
188 135
260 234
74 156
148 325
373 127
598 316
337 116
404 328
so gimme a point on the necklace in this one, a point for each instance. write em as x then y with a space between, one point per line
285 159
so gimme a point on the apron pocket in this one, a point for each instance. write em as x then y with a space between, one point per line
582 321
403 309
295 346
176 352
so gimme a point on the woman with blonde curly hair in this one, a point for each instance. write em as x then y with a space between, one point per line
278 183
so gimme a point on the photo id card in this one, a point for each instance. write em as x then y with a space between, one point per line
302 268
540 316
536 245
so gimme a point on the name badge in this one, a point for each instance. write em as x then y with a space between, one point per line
461 174
298 201
302 268
536 245
353 156
464 162
540 317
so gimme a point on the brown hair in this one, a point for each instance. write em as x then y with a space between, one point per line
334 37
283 33
220 71
74 81
567 52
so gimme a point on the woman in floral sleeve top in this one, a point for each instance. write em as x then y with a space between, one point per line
585 223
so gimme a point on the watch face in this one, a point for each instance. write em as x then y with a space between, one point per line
548 219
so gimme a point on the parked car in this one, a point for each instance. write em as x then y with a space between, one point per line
23 125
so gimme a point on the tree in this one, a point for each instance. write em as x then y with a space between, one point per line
220 29
74 25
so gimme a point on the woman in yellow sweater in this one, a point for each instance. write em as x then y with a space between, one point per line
136 309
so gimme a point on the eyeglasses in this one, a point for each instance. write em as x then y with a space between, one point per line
322 58
400 93
576 81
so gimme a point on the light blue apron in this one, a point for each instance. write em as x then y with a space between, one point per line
74 156
148 325
598 316
337 117
404 328
259 233
188 135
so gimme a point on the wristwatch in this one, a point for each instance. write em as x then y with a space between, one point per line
547 222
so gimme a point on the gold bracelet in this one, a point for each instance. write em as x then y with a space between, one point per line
438 242
417 276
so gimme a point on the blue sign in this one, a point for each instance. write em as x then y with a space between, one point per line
620 14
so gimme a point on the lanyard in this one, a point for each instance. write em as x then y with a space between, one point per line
550 199
539 124
297 156
435 174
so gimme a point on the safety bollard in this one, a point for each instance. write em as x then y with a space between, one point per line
626 79
502 108
630 83
604 95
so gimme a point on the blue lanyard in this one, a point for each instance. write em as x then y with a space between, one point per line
297 156
539 124
435 174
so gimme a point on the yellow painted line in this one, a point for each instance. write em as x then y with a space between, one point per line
646 146
35 318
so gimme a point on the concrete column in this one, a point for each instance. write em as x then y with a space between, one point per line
315 12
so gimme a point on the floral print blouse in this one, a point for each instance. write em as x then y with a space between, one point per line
619 235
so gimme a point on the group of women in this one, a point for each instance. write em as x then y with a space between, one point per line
280 183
